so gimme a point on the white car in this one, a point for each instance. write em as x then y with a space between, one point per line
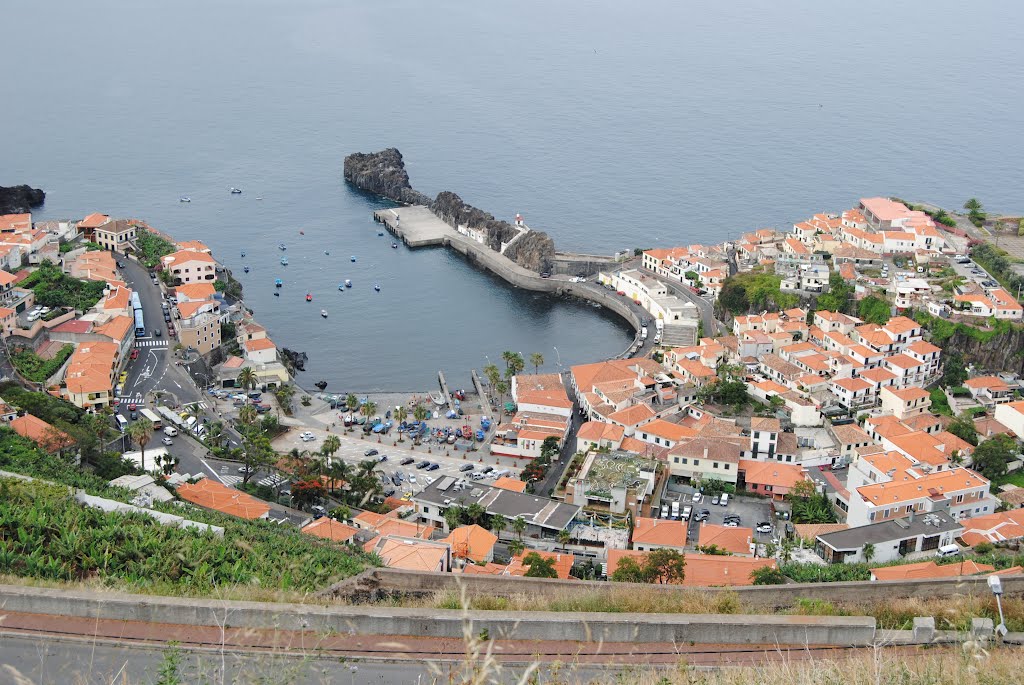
412 477
697 497
167 441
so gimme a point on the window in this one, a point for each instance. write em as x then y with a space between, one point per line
714 465
684 460
726 466
696 462
426 510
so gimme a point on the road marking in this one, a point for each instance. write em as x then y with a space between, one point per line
230 480
179 386
217 475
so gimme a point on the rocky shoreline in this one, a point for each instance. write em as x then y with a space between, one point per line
20 199
383 173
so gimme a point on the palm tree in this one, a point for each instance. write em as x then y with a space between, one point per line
501 387
214 431
516 547
196 412
368 410
519 526
453 517
247 415
492 373
247 378
972 205
868 552
517 363
331 445
284 396
498 524
564 537
508 356
352 402
141 432
537 360
401 413
419 412
475 512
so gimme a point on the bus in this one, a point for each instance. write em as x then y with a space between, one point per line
153 418
122 422
140 322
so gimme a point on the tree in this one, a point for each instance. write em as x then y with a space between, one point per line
284 397
401 413
419 412
247 415
991 456
629 571
498 524
501 387
767 575
666 565
475 513
788 545
954 371
141 432
537 360
516 547
803 489
352 402
539 567
247 378
734 297
975 212
838 296
492 373
257 454
453 517
307 492
549 448
564 537
874 309
963 427
368 409
519 526
331 445
868 552
514 363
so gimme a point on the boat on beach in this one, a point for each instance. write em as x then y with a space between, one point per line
437 398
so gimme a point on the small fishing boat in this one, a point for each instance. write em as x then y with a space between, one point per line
245 269
376 287
259 198
323 313
380 233
353 258
309 297
243 253
327 252
341 287
394 246
236 191
185 199
302 233
282 246
348 283
278 282
437 398
277 293
284 261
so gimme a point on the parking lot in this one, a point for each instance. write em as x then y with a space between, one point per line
751 510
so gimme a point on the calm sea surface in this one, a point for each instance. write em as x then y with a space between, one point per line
610 125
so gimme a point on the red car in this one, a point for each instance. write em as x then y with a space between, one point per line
134 354
171 332
132 406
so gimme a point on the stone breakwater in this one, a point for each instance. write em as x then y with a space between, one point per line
384 174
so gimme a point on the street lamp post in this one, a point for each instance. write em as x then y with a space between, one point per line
996 585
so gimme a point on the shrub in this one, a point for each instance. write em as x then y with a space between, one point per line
35 368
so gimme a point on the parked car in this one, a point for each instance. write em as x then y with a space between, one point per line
157 333
703 515
697 497
423 464
463 468
486 469
383 457
764 527
245 468
714 500
724 500
370 453
134 355
409 460
433 467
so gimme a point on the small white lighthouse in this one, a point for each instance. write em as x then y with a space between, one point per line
519 220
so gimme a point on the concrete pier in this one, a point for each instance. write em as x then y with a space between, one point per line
417 226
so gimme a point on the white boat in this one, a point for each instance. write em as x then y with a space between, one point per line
376 287
437 398
348 283
236 191
185 199
323 313
284 261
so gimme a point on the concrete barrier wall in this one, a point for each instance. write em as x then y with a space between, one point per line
384 581
579 627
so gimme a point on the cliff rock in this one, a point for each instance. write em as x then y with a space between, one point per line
293 360
384 174
20 199
1002 352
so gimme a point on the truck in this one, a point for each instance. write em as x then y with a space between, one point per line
153 417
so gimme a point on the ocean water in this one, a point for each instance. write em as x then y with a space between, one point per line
610 125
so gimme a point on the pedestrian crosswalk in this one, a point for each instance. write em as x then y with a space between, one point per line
231 480
151 343
272 481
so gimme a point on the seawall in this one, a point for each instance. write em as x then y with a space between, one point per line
416 226
764 630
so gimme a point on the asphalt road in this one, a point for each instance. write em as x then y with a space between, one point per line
707 310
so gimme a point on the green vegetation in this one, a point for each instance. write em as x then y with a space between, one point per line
940 405
767 576
48 536
539 567
151 247
873 309
999 264
942 330
954 370
809 506
754 290
657 566
35 368
963 428
837 299
991 456
231 288
537 469
54 288
976 213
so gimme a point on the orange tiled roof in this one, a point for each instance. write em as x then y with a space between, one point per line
210 494
563 563
732 540
472 542
196 291
40 432
776 474
513 484
929 569
704 570
652 531
329 529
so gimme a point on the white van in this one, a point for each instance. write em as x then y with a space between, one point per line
170 431
947 551
724 501
687 511
675 509
664 510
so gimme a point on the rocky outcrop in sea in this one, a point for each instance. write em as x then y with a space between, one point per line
383 173
20 199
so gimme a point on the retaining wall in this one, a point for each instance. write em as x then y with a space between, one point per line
578 627
382 582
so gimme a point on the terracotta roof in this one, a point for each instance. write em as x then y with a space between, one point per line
929 569
472 542
410 555
259 344
904 487
809 531
632 416
117 328
599 430
40 432
908 394
1005 525
210 494
196 291
991 382
389 525
184 256
93 220
776 474
6 278
190 309
513 484
329 529
732 540
663 532
703 570
193 245
668 430
563 563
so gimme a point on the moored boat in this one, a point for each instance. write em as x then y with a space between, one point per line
186 198
309 297
394 245
236 191
284 261
282 246
323 313
348 283
376 287
353 258
245 269
278 283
